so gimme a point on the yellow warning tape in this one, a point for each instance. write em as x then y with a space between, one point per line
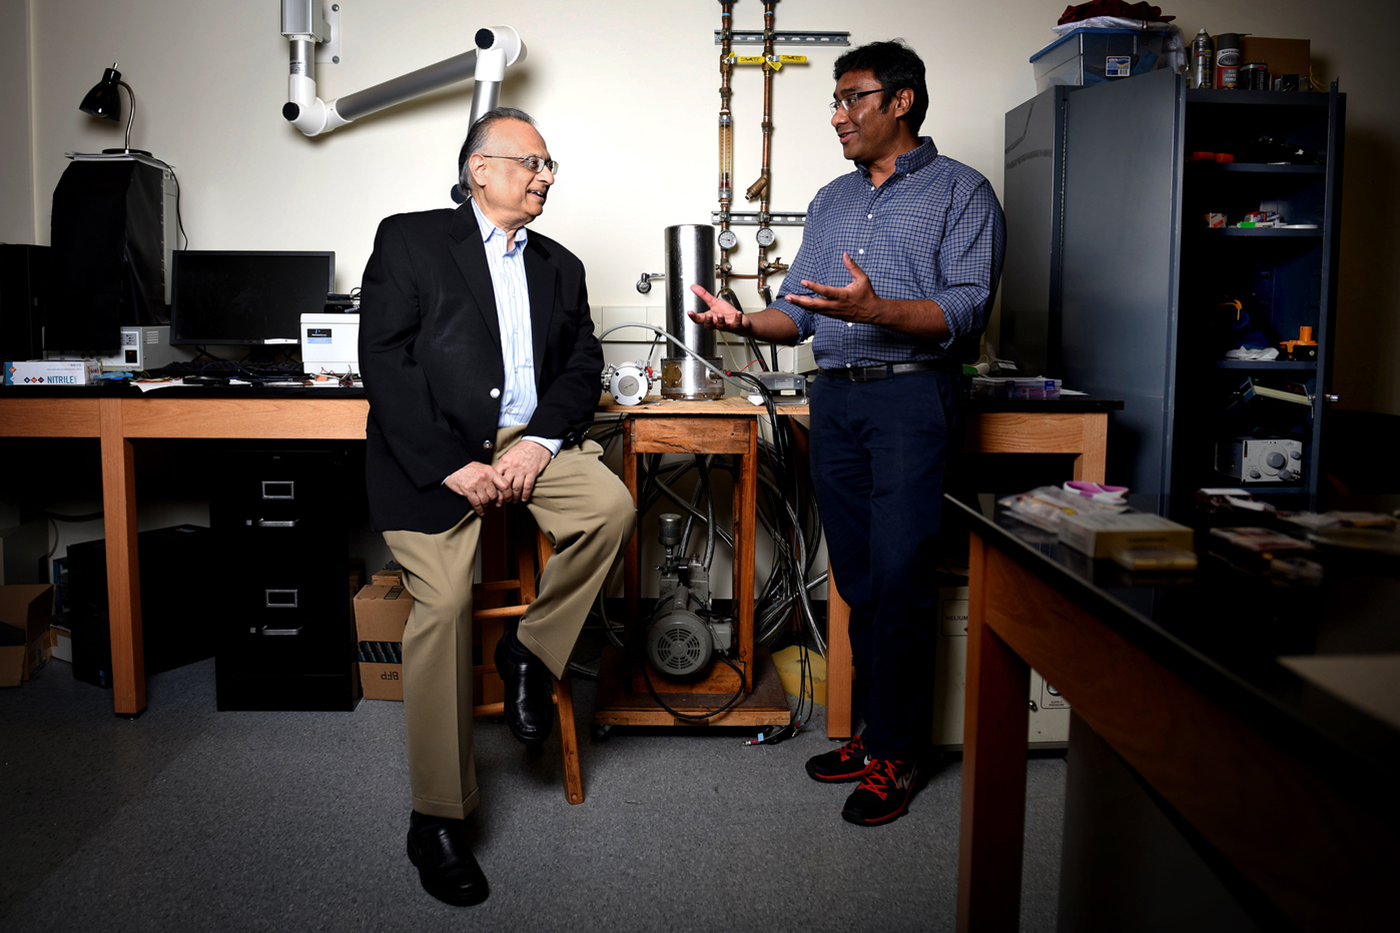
776 63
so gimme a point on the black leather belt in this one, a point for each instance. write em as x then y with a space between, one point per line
876 373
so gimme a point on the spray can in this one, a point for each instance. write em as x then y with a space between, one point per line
1202 57
1227 60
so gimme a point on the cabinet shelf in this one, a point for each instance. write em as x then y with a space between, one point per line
1262 232
1260 168
1295 365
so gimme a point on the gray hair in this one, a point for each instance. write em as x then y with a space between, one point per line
478 135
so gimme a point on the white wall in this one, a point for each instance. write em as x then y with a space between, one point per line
16 166
626 95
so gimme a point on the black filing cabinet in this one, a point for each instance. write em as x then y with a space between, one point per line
283 519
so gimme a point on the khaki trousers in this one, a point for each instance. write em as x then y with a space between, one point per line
588 514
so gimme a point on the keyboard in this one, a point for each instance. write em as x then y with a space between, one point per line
224 369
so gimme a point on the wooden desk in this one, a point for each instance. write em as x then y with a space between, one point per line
118 419
1070 426
339 414
1291 787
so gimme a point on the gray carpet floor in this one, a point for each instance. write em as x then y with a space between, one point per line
191 819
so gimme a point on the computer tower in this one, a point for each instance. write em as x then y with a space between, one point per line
113 225
24 290
178 603
287 638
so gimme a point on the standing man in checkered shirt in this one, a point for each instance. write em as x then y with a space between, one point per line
895 278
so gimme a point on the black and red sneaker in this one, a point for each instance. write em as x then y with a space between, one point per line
884 794
848 763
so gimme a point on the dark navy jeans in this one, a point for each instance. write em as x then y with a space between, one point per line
879 452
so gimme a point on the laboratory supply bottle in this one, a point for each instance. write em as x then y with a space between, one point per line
1227 60
1202 61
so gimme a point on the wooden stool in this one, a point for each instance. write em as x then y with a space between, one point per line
507 533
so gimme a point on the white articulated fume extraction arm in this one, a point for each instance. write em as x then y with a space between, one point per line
305 26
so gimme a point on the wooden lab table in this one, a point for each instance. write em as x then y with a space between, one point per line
719 426
1075 425
117 416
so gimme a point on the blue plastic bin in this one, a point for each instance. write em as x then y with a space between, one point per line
1095 56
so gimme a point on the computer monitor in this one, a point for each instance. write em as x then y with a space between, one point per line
246 297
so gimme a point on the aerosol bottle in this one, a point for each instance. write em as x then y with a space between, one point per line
1227 60
1202 61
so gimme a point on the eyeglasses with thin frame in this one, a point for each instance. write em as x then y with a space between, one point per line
850 101
534 163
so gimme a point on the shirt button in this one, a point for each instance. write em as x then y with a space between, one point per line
495 393
862 252
869 216
486 445
850 324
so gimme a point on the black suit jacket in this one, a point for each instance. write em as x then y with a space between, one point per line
430 355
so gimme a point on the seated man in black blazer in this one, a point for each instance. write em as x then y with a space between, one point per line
482 370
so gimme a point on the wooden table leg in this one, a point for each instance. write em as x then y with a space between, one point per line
838 662
745 518
994 770
1092 462
631 555
123 569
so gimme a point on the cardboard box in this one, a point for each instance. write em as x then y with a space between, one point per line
1283 56
381 612
1101 534
50 372
387 578
24 630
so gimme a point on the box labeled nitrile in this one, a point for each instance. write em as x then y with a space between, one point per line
381 612
50 372
1104 533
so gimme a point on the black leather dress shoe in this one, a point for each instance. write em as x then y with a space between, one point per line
446 866
529 703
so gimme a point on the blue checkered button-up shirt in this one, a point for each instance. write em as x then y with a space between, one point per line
932 230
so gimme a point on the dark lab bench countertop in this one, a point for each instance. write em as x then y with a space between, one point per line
1223 629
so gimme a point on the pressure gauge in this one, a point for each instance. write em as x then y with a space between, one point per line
728 239
765 236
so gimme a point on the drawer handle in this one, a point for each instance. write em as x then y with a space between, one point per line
279 489
268 630
281 599
280 523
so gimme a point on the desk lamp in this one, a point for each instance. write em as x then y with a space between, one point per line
104 101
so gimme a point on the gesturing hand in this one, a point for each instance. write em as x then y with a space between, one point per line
855 302
721 316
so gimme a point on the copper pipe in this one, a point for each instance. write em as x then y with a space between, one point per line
726 135
761 188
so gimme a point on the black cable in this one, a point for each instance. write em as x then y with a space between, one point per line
738 694
60 517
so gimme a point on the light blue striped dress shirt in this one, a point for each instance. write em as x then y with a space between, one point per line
518 397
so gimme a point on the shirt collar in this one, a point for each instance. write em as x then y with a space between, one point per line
490 231
911 161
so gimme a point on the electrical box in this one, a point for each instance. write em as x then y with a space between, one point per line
1049 712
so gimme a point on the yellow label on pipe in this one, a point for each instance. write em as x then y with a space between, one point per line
793 59
748 59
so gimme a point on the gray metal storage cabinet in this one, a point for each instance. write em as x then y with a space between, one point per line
1144 279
